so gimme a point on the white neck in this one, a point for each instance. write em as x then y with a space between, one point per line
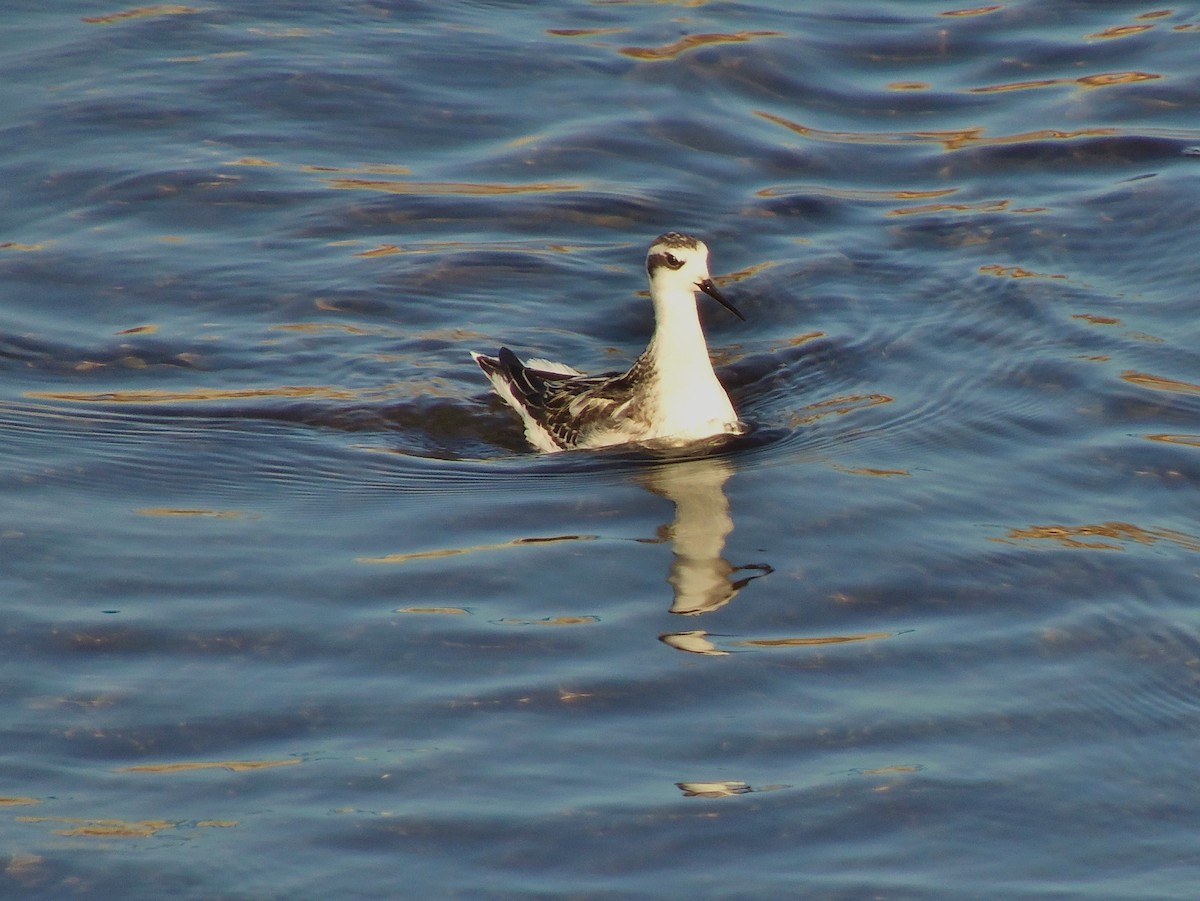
678 343
689 396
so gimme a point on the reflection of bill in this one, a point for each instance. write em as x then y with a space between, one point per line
722 789
694 641
703 580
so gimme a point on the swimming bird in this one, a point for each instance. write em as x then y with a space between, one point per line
669 396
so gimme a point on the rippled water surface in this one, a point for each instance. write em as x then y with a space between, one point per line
291 610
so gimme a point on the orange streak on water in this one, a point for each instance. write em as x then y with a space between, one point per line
692 41
235 766
198 395
1186 440
1101 536
951 140
1015 272
805 642
461 188
141 12
972 11
458 551
1159 383
1120 31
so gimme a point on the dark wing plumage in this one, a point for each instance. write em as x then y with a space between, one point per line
566 406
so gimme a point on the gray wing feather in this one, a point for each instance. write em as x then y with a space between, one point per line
566 406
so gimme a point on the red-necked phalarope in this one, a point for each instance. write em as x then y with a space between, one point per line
670 395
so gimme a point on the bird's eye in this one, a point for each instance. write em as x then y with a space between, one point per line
672 261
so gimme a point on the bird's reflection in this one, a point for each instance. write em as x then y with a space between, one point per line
702 578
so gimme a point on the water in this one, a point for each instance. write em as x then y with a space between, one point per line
291 610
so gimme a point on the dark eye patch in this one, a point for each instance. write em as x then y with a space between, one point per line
664 258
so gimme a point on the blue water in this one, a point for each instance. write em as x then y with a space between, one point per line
292 611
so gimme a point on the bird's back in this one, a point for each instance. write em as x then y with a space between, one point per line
562 408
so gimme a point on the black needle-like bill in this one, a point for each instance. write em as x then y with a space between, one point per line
706 285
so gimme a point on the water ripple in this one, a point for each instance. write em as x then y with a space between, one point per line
281 573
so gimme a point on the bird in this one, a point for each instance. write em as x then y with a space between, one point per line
669 397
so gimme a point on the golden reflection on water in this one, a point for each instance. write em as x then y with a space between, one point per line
200 395
442 247
1159 383
954 139
383 250
802 338
327 327
199 58
461 188
697 641
171 511
438 611
980 206
584 32
569 697
972 11
234 766
473 549
692 41
903 768
114 828
837 406
1142 336
1102 537
290 32
806 642
855 193
871 471
1119 31
1099 80
738 274
1015 272
1186 440
105 828
373 169
141 12
548 621
686 4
